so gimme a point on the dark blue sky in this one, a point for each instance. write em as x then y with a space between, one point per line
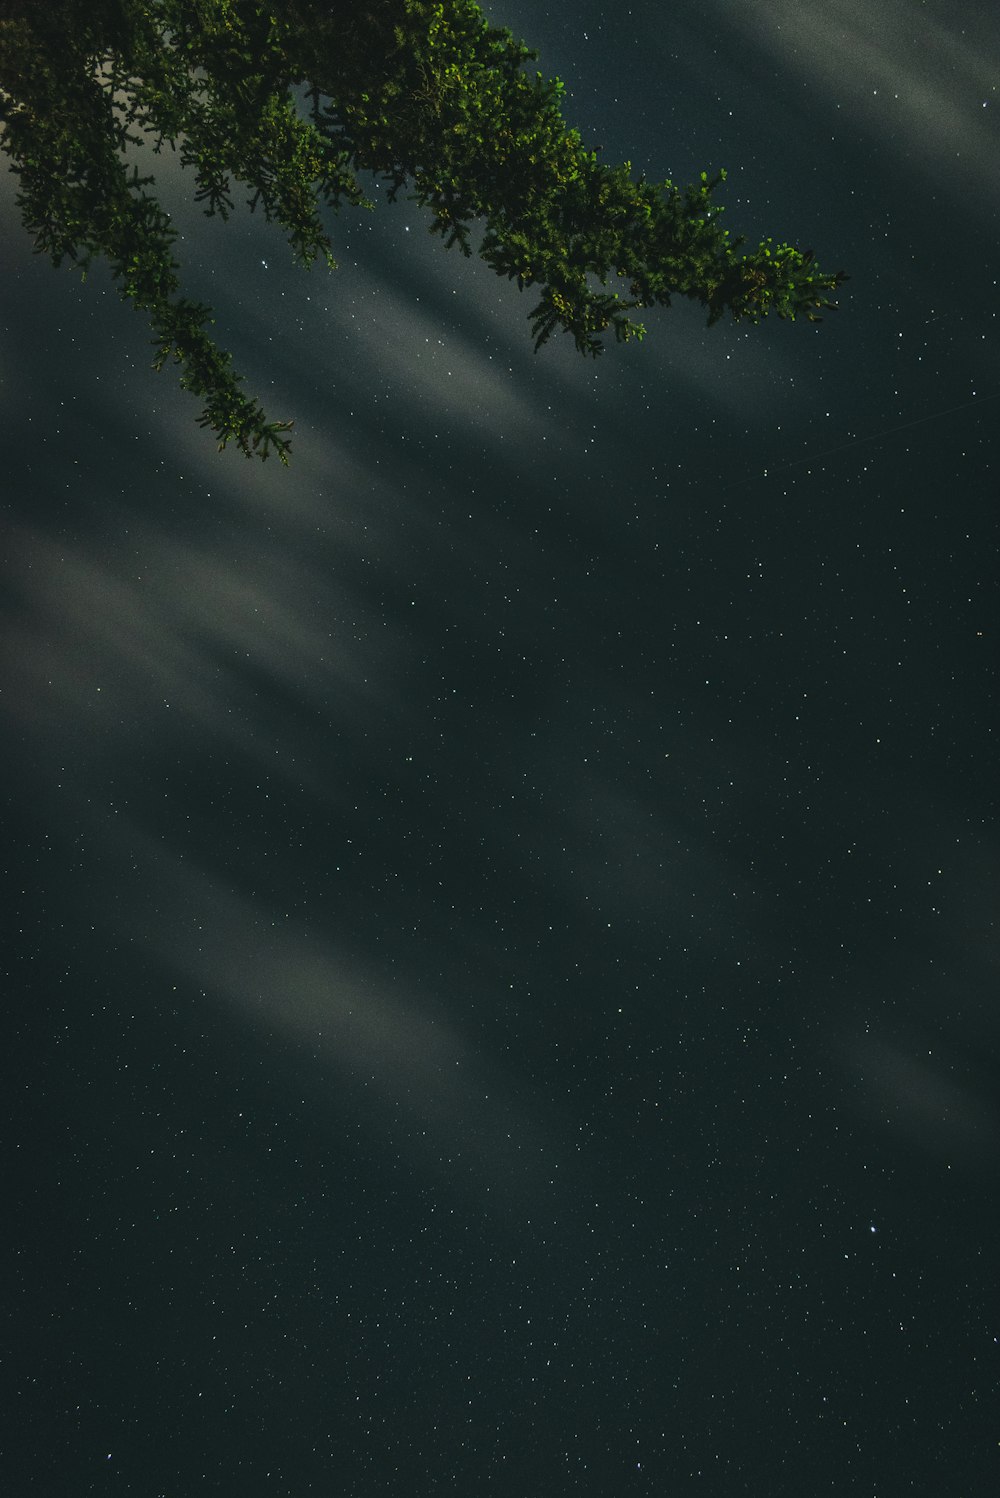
504 968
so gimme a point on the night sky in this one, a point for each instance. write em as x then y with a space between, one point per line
503 984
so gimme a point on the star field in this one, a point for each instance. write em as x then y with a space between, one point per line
502 962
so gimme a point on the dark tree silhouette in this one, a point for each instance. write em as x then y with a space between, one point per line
424 94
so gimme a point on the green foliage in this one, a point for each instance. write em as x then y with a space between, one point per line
425 94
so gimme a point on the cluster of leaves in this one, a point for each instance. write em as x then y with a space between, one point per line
424 94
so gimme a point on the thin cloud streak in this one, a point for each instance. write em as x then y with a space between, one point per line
915 83
397 1060
105 646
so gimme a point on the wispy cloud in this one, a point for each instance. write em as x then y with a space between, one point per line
923 84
